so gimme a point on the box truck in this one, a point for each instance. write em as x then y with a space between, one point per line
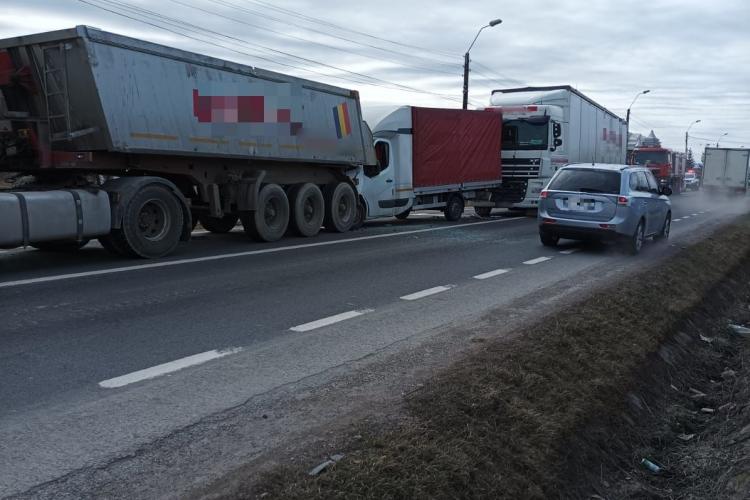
545 128
131 142
726 170
432 159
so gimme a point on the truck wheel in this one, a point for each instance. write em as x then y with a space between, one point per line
341 207
308 209
361 215
483 212
454 208
60 246
403 215
151 224
663 235
271 219
218 225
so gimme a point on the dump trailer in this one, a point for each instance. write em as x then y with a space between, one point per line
545 128
433 159
727 170
132 142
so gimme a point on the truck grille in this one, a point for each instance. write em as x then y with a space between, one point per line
521 168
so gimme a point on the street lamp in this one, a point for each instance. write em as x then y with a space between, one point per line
719 139
491 24
686 135
639 94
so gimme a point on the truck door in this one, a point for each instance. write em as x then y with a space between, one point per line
379 184
735 175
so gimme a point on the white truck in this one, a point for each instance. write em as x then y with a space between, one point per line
432 159
726 169
545 128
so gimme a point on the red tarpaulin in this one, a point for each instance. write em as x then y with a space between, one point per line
454 146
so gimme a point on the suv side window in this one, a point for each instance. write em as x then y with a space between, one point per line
652 184
642 181
633 181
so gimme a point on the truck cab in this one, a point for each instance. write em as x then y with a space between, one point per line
533 148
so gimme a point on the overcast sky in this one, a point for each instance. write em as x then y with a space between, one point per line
693 55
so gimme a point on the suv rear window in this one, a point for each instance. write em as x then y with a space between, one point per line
586 181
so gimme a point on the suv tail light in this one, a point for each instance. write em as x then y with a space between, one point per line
543 194
623 201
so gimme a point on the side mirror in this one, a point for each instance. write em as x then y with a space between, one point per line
666 191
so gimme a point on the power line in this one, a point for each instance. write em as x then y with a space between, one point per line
369 80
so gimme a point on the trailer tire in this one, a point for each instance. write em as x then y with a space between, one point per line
361 215
308 209
483 212
454 209
152 223
218 225
404 215
270 220
60 246
341 207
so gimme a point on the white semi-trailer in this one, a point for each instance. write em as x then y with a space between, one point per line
727 170
131 142
545 128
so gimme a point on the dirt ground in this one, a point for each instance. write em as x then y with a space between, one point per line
570 406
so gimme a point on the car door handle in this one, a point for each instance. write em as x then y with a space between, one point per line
389 180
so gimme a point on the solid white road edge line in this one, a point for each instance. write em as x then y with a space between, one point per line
491 274
180 262
163 369
538 260
330 320
426 293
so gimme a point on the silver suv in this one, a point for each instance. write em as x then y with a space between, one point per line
604 202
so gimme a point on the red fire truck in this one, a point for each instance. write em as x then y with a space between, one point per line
667 166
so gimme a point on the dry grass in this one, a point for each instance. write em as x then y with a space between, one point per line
502 423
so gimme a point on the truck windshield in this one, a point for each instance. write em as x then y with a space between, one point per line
643 157
525 134
586 181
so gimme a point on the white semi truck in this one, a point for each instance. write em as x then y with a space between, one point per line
727 169
545 128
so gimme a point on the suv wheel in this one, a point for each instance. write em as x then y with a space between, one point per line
664 233
635 243
549 240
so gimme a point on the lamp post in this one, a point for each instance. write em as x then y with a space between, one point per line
719 139
639 94
686 136
491 24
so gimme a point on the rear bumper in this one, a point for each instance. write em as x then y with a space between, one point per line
580 233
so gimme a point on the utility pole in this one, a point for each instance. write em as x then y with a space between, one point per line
627 116
686 135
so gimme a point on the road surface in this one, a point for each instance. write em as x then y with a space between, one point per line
110 367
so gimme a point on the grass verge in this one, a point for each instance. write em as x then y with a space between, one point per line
508 421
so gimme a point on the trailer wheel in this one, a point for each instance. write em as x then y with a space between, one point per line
60 246
308 209
152 224
341 207
404 215
218 225
483 212
271 219
454 209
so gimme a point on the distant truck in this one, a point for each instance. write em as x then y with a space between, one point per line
545 128
132 142
726 170
667 166
433 159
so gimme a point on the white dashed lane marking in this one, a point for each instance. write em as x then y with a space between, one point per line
427 293
330 320
491 274
570 251
538 260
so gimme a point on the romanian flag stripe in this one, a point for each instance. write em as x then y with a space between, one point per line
341 120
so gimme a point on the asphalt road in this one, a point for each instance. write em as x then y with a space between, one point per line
100 356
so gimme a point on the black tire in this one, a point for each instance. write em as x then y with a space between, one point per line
218 225
361 215
549 240
270 221
483 212
307 209
112 246
341 207
152 224
60 246
193 221
634 244
404 215
454 209
663 235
